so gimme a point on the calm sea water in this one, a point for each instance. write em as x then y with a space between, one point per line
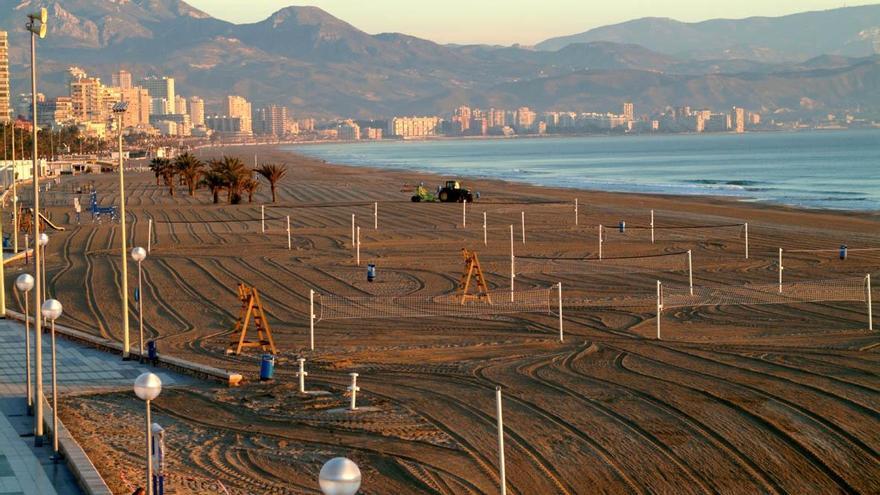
832 169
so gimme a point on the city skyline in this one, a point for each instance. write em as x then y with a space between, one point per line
463 22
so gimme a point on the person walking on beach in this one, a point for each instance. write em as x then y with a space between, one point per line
77 209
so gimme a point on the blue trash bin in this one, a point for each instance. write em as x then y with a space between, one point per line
622 226
843 251
371 272
152 351
267 367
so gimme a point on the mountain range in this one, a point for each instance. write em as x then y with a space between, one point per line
321 66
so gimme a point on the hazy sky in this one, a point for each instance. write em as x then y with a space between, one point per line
510 21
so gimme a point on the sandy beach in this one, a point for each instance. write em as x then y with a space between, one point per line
779 398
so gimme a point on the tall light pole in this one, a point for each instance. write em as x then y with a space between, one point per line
138 254
52 310
24 283
42 242
37 26
119 110
147 387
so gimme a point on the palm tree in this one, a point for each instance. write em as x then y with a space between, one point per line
215 181
272 173
236 173
156 165
163 167
190 169
250 186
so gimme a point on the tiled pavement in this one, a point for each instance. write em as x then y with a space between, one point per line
25 469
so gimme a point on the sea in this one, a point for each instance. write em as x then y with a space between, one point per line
811 169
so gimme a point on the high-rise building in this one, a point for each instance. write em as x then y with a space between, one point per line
55 112
197 110
139 106
271 120
87 98
525 119
407 127
5 113
628 111
122 79
495 117
349 131
161 88
739 119
180 104
237 106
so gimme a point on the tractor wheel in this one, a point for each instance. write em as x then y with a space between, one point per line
415 199
444 196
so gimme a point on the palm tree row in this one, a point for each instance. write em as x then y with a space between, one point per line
225 174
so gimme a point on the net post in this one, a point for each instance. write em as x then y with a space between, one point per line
747 239
512 271
523 225
289 245
600 241
868 294
149 234
464 213
659 306
263 219
485 236
376 215
312 319
780 270
358 248
690 272
501 475
561 336
652 226
575 211
352 231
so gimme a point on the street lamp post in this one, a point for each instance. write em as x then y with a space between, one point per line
52 310
138 254
43 241
37 26
147 387
119 110
24 283
339 476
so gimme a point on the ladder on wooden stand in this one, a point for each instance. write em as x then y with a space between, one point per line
251 307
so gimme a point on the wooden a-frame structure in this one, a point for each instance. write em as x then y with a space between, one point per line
472 270
251 306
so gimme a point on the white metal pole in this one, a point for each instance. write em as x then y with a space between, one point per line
523 225
870 314
149 234
302 375
501 474
512 271
149 453
289 245
659 307
311 319
464 213
747 240
561 336
263 219
376 215
652 226
54 396
141 307
485 235
126 348
600 241
690 272
28 364
575 211
358 241
780 270
14 196
38 331
353 242
354 390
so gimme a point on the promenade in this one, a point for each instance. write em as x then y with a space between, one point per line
25 469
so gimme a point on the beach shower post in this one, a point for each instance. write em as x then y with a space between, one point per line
302 375
354 390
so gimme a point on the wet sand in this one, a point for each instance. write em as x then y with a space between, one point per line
734 399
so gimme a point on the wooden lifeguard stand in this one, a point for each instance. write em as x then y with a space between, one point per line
473 272
250 307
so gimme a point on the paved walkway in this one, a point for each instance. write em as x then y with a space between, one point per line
25 469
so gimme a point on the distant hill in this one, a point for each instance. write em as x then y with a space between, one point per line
321 66
852 31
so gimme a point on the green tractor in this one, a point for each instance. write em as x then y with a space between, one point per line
423 195
452 192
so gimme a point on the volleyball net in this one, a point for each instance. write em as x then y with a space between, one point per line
722 232
336 307
667 262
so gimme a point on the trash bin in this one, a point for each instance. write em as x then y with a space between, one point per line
622 226
371 272
843 251
267 367
152 351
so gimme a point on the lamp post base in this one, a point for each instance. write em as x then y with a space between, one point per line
38 440
30 410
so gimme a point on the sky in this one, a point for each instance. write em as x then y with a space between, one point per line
507 22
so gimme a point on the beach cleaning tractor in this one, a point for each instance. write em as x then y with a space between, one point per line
452 192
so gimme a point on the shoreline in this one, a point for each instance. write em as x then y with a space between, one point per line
616 197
